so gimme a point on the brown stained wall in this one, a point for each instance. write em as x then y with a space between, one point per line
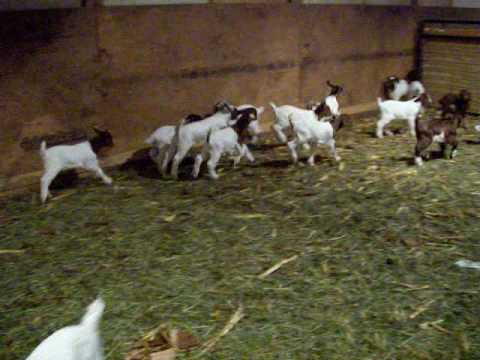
134 69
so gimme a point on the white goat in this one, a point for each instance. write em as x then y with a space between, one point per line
76 342
313 132
229 140
195 134
81 155
282 114
161 139
281 122
407 110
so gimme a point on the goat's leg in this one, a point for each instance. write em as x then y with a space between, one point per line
443 147
292 147
454 144
177 159
380 126
420 148
247 153
199 159
167 158
159 157
45 182
277 131
212 164
93 166
333 149
411 126
240 152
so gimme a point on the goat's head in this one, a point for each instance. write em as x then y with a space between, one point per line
246 122
424 99
389 85
463 102
465 95
412 75
223 106
193 118
334 89
104 137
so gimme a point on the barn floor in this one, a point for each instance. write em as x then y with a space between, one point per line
376 239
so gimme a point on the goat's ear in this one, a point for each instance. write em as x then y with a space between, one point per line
260 110
98 130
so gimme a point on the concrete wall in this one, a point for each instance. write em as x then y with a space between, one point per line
133 69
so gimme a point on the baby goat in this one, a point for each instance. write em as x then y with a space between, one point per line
231 140
81 155
442 131
456 104
161 139
329 106
395 88
196 133
76 342
313 132
407 110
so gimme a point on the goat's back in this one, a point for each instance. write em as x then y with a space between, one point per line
163 135
69 155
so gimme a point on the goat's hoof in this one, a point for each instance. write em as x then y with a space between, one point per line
418 161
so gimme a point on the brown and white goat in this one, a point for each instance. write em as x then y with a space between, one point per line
456 104
439 130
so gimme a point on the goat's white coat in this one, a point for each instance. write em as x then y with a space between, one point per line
282 113
160 140
76 342
64 157
311 132
196 133
392 110
225 141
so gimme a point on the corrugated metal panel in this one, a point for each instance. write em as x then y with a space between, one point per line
449 63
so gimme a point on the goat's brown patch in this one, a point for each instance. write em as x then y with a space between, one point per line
389 86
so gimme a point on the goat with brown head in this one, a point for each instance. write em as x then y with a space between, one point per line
440 130
103 139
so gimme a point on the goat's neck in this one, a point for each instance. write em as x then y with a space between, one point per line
242 132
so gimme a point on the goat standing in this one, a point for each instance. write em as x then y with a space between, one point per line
81 155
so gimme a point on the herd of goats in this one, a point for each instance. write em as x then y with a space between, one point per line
229 129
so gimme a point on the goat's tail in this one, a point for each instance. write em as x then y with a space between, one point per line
176 135
93 315
43 149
